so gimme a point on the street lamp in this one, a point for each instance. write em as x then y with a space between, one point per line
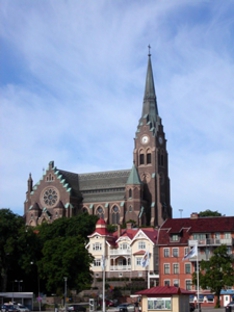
65 293
20 281
38 285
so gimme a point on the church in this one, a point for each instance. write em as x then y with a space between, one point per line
140 194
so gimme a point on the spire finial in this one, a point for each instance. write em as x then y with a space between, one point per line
149 47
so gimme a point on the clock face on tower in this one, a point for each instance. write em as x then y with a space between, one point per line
49 197
145 139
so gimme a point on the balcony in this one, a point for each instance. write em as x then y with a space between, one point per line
120 252
212 242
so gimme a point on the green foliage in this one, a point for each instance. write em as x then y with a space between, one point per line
216 273
65 257
111 228
209 213
10 224
44 255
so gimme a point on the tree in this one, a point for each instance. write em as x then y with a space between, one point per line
64 253
209 213
10 224
65 257
216 273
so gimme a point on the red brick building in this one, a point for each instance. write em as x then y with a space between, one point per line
177 236
141 193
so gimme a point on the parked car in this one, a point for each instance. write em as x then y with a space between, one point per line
126 307
231 304
76 307
9 308
22 308
192 306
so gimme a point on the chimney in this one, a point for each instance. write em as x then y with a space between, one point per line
194 215
129 226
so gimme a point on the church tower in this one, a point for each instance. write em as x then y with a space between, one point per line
151 157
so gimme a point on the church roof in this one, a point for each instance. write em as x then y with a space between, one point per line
134 176
103 186
150 108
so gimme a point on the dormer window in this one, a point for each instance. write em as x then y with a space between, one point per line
174 237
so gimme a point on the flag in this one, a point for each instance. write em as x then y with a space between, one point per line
145 260
103 262
191 253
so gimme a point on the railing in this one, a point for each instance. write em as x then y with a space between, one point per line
212 242
120 268
120 252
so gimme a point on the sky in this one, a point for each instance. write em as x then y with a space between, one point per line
71 90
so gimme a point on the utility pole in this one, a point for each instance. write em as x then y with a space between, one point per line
65 293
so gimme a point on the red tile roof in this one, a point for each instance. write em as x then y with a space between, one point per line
187 226
131 233
164 290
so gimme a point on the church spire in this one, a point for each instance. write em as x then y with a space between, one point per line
150 102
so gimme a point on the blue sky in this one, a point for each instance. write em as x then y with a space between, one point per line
71 87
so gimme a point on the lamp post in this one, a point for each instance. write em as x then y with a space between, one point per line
65 293
38 285
20 281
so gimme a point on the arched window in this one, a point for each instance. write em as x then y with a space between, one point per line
115 215
100 213
142 158
148 158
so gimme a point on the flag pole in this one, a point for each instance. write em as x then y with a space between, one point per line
103 278
198 286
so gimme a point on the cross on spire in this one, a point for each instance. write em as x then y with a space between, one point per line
149 47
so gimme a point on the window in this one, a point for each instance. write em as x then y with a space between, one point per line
97 262
167 283
148 158
138 261
188 284
186 250
97 246
159 303
176 282
199 236
175 268
174 237
166 268
130 193
142 160
187 268
115 215
166 252
141 245
124 246
50 178
100 213
227 235
175 252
